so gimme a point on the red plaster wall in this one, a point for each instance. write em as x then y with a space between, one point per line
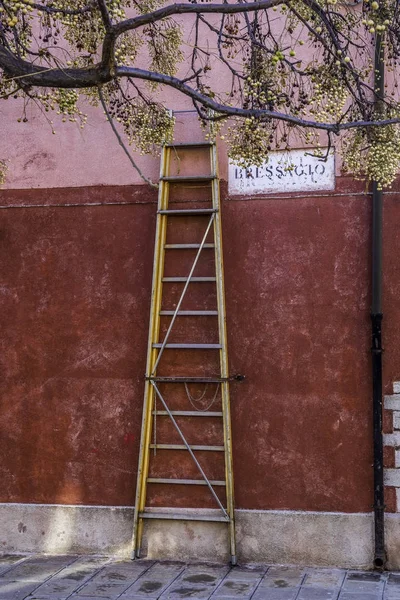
75 292
300 316
75 298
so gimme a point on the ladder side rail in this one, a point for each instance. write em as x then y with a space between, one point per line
156 296
223 354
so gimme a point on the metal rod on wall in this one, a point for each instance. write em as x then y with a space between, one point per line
376 322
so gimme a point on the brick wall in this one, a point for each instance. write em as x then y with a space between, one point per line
391 428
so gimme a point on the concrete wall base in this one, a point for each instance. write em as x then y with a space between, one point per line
285 537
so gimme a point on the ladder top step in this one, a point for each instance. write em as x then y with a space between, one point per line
190 313
188 413
188 178
187 246
184 481
183 517
173 212
184 279
190 346
190 145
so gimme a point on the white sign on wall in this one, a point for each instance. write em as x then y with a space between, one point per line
293 171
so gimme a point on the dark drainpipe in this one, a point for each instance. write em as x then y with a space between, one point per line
376 319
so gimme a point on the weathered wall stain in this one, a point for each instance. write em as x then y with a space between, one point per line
21 528
42 161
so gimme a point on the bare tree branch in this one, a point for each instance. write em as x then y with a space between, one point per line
69 78
185 9
273 86
121 143
105 15
218 107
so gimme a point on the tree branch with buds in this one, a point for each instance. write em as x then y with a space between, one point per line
295 67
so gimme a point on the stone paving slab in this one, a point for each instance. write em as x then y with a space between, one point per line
363 587
122 572
55 588
266 593
235 589
103 578
108 591
351 596
283 577
80 571
179 591
36 569
197 581
324 578
392 593
7 562
318 594
154 581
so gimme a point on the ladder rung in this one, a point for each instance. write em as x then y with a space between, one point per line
190 145
184 279
187 212
183 517
182 447
190 379
188 413
190 313
188 178
184 481
190 346
187 246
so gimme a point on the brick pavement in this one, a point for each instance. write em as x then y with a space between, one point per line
100 578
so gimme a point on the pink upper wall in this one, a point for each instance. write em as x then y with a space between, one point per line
76 157
71 158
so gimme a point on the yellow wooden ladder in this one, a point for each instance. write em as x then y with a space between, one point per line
169 374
